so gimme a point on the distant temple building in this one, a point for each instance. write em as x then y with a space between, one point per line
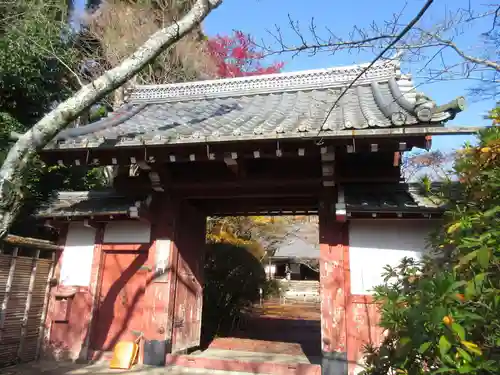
297 256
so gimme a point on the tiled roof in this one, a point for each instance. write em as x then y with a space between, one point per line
284 105
82 204
404 198
302 240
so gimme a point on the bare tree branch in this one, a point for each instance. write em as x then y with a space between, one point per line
462 54
426 45
26 147
379 56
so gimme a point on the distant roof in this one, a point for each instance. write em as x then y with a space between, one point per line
85 204
283 106
302 241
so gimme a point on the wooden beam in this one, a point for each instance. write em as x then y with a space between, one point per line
243 191
255 206
247 183
31 242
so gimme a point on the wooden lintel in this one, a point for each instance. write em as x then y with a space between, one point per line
253 205
369 180
247 183
31 242
249 192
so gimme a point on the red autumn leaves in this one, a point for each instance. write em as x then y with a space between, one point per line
238 56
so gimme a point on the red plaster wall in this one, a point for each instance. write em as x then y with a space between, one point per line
72 340
65 340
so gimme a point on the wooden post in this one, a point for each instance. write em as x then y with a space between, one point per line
333 289
27 306
8 287
45 307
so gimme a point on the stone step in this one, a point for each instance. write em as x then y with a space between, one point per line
179 370
253 345
238 362
300 284
301 290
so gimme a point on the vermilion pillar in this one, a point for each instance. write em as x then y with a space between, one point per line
333 290
158 298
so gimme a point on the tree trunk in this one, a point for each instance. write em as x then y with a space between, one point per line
26 147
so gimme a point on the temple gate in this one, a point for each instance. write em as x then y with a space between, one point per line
270 144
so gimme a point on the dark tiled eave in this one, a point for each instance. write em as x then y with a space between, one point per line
389 200
92 204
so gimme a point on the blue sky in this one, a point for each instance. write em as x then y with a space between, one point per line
258 17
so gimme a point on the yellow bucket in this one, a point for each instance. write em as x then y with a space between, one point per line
124 355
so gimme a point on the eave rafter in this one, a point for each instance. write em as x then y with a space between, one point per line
232 154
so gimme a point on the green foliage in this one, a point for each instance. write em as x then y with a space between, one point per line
36 59
271 288
259 234
233 278
37 69
442 314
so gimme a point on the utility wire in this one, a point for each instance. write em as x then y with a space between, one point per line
379 56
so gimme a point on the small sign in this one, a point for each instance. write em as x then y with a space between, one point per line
162 256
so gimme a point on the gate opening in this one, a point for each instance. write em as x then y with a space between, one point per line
261 292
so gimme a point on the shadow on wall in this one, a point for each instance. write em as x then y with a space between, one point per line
233 277
76 332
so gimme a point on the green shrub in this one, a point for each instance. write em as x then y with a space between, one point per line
233 277
271 289
442 315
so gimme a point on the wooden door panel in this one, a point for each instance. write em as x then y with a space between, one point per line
189 299
120 299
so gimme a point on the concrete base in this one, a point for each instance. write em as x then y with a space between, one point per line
334 363
70 368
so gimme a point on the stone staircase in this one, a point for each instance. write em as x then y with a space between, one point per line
273 339
300 291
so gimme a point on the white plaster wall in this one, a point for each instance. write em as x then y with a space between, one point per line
373 244
77 257
129 231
